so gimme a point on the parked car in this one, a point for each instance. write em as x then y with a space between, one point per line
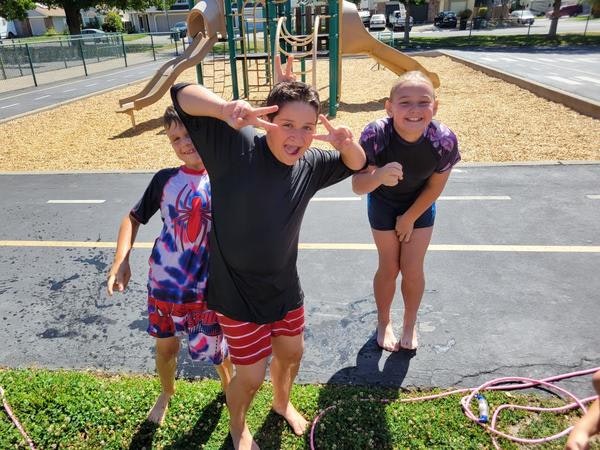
398 21
181 28
522 16
566 10
377 22
89 34
445 19
365 16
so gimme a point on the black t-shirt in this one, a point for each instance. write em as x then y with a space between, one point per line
436 151
258 204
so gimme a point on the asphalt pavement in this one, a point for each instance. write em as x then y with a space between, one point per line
512 285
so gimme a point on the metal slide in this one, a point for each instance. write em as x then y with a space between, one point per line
205 21
356 40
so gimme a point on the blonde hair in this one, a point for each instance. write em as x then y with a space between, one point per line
413 76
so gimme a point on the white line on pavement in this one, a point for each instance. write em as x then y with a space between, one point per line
9 106
593 196
590 79
43 96
75 201
564 80
90 85
69 90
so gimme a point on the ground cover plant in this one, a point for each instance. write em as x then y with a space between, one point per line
84 410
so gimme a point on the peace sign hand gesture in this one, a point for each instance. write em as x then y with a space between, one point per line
340 137
239 113
288 75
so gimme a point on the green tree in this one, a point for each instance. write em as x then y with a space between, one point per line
113 23
72 8
407 5
15 9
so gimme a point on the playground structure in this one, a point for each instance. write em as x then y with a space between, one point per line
255 34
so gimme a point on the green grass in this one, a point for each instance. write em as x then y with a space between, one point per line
510 41
82 410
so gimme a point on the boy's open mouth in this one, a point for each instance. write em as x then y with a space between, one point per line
414 119
291 150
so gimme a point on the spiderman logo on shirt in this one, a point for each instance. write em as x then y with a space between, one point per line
193 216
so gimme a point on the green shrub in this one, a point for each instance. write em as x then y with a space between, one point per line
113 23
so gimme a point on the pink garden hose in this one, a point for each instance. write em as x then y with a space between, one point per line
497 385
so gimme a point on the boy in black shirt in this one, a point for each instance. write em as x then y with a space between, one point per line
261 186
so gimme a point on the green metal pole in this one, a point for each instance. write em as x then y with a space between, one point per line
333 56
82 57
124 51
272 26
31 65
240 9
231 45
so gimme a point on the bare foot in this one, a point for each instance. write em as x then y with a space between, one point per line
243 440
159 410
386 338
298 423
409 338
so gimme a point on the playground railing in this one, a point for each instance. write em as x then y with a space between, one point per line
75 56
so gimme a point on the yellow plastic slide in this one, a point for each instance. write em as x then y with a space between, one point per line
356 40
205 21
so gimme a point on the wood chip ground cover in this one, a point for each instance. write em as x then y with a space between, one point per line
495 122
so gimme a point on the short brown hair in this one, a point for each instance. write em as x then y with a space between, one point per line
412 76
171 117
292 91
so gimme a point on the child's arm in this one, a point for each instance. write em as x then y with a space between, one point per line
372 177
196 100
120 272
353 156
588 426
433 188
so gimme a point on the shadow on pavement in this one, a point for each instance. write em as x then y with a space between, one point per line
349 404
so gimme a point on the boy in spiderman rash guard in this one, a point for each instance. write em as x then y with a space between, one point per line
178 265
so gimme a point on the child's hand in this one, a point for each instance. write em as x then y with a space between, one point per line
239 113
288 75
118 277
340 137
578 440
390 174
404 228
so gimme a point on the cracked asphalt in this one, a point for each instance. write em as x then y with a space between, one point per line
486 313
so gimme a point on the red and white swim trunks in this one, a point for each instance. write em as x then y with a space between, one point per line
250 342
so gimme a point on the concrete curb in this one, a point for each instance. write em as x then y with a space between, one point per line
581 105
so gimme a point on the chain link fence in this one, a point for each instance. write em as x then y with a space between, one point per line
84 54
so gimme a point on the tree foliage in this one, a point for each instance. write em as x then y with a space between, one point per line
72 8
15 9
113 23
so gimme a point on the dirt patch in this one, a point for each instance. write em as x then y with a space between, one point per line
495 122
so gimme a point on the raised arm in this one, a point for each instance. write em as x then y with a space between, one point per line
353 156
196 100
120 272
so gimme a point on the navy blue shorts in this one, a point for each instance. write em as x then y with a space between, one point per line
382 216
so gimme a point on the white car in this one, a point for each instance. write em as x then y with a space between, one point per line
377 22
523 16
365 16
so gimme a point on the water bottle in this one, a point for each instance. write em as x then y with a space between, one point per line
484 410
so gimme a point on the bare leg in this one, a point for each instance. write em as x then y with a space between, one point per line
412 258
225 371
384 285
166 364
242 389
287 353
